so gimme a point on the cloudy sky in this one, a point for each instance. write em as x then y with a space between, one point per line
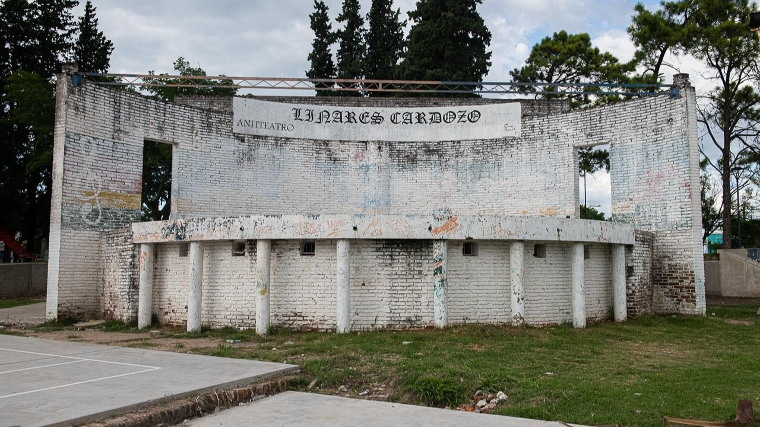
267 38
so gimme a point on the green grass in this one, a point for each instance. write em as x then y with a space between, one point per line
16 302
632 373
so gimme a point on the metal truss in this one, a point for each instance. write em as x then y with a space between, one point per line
369 86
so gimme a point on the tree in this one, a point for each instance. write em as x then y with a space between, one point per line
183 68
322 65
588 212
92 51
157 181
591 161
448 41
569 59
35 37
656 33
711 209
385 42
351 47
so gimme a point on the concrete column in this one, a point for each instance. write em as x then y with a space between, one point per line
343 314
195 288
516 251
440 292
145 304
578 277
618 283
263 262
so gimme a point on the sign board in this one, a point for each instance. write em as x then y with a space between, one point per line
324 122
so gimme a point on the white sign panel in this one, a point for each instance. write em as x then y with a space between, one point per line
466 122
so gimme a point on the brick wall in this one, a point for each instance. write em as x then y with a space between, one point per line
119 275
97 183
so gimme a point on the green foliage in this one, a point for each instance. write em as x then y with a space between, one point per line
385 42
655 33
320 58
92 51
156 181
439 391
588 212
711 209
448 41
16 302
36 37
717 33
351 47
182 68
569 58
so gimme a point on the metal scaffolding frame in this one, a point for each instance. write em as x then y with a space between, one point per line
369 86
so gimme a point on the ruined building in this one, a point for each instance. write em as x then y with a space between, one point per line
359 213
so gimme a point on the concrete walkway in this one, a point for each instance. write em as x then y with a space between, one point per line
23 315
45 382
306 409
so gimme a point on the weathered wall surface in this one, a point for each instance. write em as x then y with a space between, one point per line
391 284
97 183
655 187
23 279
712 278
739 275
118 275
639 275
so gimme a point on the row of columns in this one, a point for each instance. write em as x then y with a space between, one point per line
343 277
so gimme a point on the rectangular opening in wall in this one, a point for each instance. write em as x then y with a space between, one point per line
184 248
156 181
539 250
308 248
470 249
586 252
595 191
238 248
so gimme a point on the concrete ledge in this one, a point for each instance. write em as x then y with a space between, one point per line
413 227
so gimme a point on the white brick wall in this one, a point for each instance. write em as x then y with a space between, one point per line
97 184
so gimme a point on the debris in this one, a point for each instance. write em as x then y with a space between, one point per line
490 407
89 324
695 423
406 342
312 384
468 408
494 401
482 403
288 343
233 341
549 373
501 396
738 322
478 395
637 394
490 397
365 392
155 332
342 389
744 413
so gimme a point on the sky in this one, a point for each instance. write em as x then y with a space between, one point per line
265 38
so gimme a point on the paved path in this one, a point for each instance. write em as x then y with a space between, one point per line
307 409
23 315
45 382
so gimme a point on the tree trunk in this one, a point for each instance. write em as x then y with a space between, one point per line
726 173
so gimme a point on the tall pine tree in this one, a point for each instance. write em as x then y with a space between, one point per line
322 65
92 51
385 42
448 41
351 48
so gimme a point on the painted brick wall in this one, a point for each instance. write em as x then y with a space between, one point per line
391 285
640 284
119 275
97 182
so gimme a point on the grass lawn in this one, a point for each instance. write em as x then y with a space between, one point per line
15 302
632 373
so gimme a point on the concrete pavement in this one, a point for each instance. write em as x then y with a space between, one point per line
23 315
316 410
45 382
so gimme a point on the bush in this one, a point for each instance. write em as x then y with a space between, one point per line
437 391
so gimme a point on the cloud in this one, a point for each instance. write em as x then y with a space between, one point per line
617 42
